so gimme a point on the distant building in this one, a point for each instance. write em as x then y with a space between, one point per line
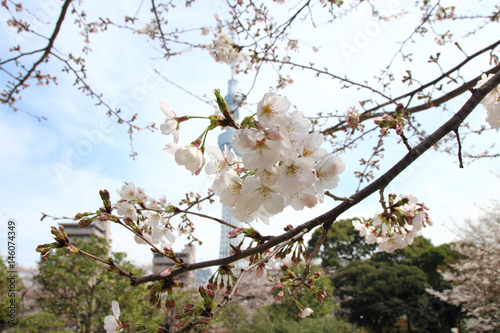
223 140
188 255
97 229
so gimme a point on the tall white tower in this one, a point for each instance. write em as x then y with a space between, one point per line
223 140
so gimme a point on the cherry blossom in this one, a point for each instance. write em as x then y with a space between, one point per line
296 174
397 226
254 194
127 209
190 156
493 95
491 102
154 229
352 118
171 123
310 146
228 187
473 280
223 49
295 127
219 161
272 109
281 164
327 171
128 191
305 313
493 116
112 322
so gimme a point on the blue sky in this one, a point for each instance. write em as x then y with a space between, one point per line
58 166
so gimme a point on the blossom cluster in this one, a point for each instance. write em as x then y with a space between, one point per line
397 226
282 164
149 223
224 49
491 102
352 118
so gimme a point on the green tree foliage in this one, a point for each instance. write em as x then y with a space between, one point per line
341 245
42 322
269 319
4 298
376 294
79 290
408 255
419 263
307 298
439 316
282 316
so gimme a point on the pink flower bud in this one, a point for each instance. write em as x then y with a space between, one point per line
261 270
235 232
167 272
170 304
186 307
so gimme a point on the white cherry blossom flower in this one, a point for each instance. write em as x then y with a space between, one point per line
397 226
228 187
205 31
190 156
352 118
493 96
296 174
493 116
112 322
127 209
304 198
281 164
254 195
154 229
260 215
310 146
128 191
141 195
272 109
296 126
392 244
268 175
305 313
171 124
219 161
263 154
327 171
491 102
361 227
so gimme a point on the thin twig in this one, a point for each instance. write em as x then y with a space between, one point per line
245 270
109 263
405 141
382 199
307 267
208 217
460 162
45 54
334 197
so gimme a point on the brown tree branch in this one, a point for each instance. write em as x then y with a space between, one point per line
48 49
342 125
